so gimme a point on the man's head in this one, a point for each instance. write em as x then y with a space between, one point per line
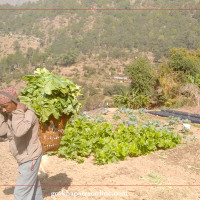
7 105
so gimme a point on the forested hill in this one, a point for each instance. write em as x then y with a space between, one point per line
155 31
99 44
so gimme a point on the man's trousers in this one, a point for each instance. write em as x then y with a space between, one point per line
28 184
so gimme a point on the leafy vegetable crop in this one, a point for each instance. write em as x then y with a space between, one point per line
50 95
111 144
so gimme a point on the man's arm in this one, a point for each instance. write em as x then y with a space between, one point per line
21 122
3 125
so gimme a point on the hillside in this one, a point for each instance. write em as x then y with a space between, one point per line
116 31
90 46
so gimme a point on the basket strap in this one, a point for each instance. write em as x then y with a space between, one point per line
56 129
10 97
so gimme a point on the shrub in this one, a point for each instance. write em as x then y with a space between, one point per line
131 99
92 102
103 55
88 71
117 53
93 91
113 90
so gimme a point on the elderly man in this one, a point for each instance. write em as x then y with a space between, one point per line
21 126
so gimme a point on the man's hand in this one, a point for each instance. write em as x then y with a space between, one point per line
21 106
4 114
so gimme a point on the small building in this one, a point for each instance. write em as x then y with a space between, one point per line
124 79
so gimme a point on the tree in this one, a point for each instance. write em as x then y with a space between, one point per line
68 58
141 75
181 61
16 45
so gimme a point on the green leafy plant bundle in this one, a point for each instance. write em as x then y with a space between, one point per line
50 95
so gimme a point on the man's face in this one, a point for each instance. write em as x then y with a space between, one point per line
8 107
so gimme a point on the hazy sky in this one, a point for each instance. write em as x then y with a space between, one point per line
15 2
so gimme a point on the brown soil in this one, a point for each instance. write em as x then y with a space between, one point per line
164 175
195 110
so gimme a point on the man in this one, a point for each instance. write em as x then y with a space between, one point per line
21 126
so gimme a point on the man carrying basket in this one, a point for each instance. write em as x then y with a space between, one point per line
21 126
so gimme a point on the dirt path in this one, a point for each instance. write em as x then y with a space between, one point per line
169 167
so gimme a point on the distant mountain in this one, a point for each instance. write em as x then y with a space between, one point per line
16 2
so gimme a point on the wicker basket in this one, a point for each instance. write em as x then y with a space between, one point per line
50 134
